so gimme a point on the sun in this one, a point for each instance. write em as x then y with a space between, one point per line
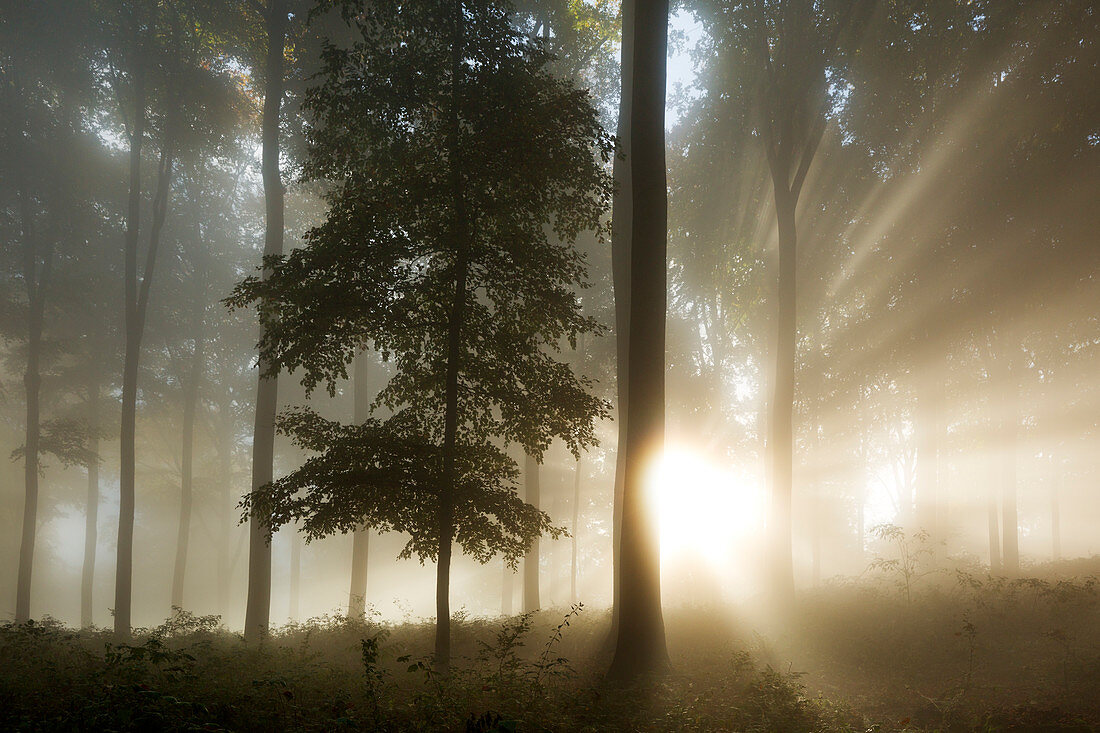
703 509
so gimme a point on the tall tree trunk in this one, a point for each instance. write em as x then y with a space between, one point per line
91 510
621 213
640 644
125 542
531 559
35 281
575 527
136 310
225 509
1056 513
183 530
815 533
925 426
781 422
994 535
456 321
1010 537
357 595
507 589
295 575
258 606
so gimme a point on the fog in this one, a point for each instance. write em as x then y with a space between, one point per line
880 343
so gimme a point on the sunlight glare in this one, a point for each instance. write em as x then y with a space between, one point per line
704 509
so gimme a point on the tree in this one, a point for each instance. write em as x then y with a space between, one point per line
794 44
174 86
258 609
44 73
640 644
436 251
360 538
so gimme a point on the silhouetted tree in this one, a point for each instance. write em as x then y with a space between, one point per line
640 643
436 251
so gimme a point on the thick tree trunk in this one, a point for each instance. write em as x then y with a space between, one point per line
357 594
640 644
91 510
531 559
621 213
183 529
574 526
781 422
258 606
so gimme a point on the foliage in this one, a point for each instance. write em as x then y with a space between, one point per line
913 559
456 197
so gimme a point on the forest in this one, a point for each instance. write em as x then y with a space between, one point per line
550 365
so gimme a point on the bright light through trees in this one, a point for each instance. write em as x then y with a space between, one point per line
706 511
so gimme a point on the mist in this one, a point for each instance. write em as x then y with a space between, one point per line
550 365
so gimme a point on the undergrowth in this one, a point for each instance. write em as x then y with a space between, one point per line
961 652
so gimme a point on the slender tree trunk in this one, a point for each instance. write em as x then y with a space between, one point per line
357 594
35 280
1056 513
925 424
575 527
507 589
621 212
815 533
456 321
994 536
225 511
781 423
258 607
183 530
295 575
126 478
91 511
1010 556
640 644
531 559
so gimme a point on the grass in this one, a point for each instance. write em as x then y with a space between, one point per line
962 653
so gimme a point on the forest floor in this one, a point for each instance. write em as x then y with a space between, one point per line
962 653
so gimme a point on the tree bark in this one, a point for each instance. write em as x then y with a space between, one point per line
1010 539
35 281
357 594
1056 513
781 424
994 535
575 527
456 320
183 529
258 607
507 589
124 556
640 646
621 213
91 511
531 601
295 575
225 507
